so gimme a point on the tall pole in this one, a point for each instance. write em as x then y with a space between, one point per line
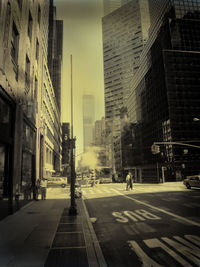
72 209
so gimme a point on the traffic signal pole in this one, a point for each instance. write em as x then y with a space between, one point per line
72 209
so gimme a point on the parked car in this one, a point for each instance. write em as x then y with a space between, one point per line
192 181
105 180
57 181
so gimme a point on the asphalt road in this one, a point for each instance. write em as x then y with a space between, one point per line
152 225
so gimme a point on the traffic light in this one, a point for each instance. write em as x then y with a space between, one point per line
155 149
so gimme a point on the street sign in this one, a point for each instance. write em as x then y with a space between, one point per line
155 149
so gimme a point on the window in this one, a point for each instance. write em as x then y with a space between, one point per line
30 25
19 3
27 75
39 14
36 88
37 50
35 95
14 48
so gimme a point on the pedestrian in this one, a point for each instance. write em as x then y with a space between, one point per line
128 177
36 189
92 182
43 188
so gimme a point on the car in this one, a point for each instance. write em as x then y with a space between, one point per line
57 181
105 180
192 181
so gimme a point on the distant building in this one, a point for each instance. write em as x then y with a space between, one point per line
99 132
88 120
125 32
52 125
55 51
165 94
52 95
111 5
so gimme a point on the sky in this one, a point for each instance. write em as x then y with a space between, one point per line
82 38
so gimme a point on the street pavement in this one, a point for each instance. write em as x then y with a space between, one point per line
43 234
152 225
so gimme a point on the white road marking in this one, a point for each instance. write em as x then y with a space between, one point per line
146 260
169 245
189 253
133 215
156 243
158 209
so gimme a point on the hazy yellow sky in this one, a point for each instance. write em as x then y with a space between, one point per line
83 40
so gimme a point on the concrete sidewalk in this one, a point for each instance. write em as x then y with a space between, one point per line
43 234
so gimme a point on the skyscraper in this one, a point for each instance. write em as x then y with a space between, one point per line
88 120
55 51
165 96
57 61
125 32
111 5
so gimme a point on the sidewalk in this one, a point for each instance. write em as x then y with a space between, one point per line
43 234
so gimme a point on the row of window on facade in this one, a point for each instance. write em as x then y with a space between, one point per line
15 49
49 156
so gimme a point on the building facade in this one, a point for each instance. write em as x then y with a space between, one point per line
165 97
88 121
125 32
99 132
27 101
111 5
52 125
22 24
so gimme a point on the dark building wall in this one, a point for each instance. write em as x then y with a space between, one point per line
51 37
169 95
55 50
57 61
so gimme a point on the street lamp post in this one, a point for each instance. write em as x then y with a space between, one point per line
72 209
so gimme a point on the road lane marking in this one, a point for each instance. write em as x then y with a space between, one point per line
192 254
135 216
179 248
158 209
156 243
145 259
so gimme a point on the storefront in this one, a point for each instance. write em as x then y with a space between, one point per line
28 159
6 145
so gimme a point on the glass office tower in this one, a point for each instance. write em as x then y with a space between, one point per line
165 96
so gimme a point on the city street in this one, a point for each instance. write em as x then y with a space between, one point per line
152 225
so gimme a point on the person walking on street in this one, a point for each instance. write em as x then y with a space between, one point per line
128 178
36 189
43 188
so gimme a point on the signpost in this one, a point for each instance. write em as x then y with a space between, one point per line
72 209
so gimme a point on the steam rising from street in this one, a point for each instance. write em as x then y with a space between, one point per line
90 157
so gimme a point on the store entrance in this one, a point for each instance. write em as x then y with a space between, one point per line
4 170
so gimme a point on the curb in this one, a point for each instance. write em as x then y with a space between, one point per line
95 255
